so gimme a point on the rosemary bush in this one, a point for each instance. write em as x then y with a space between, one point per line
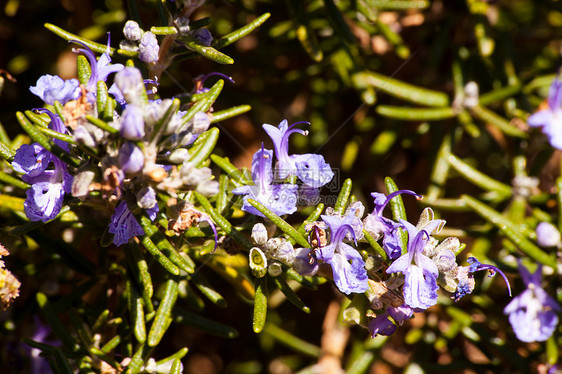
258 186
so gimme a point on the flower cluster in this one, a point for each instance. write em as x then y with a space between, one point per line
275 187
549 116
141 149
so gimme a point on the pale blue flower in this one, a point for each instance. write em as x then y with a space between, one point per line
420 283
279 198
348 276
533 314
51 88
124 225
550 118
310 168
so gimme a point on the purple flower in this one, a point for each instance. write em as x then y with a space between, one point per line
128 87
131 158
45 197
465 279
279 198
309 168
420 283
349 277
132 123
550 119
377 225
124 225
532 314
51 88
547 234
305 262
381 325
148 48
202 36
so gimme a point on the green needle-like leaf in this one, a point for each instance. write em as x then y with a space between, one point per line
510 230
204 324
230 170
199 154
290 294
221 115
204 104
159 256
478 178
260 305
501 123
292 341
401 90
280 223
343 196
101 124
163 314
398 211
376 246
241 32
415 114
205 51
223 222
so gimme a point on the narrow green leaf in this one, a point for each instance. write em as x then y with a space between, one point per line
176 356
260 305
138 359
223 222
176 367
101 124
440 169
101 97
204 324
96 47
308 40
205 51
552 350
164 30
83 69
291 341
499 94
336 19
231 171
221 115
376 246
501 123
290 294
280 223
142 273
165 246
204 104
7 178
136 312
222 197
241 32
159 256
398 4
163 314
199 154
6 152
111 344
401 90
511 231
206 289
311 218
57 135
341 201
61 363
305 281
478 178
415 114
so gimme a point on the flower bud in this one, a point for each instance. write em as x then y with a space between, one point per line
132 31
275 269
547 235
259 234
178 156
131 158
132 123
146 198
202 36
258 262
182 23
148 48
201 122
130 83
